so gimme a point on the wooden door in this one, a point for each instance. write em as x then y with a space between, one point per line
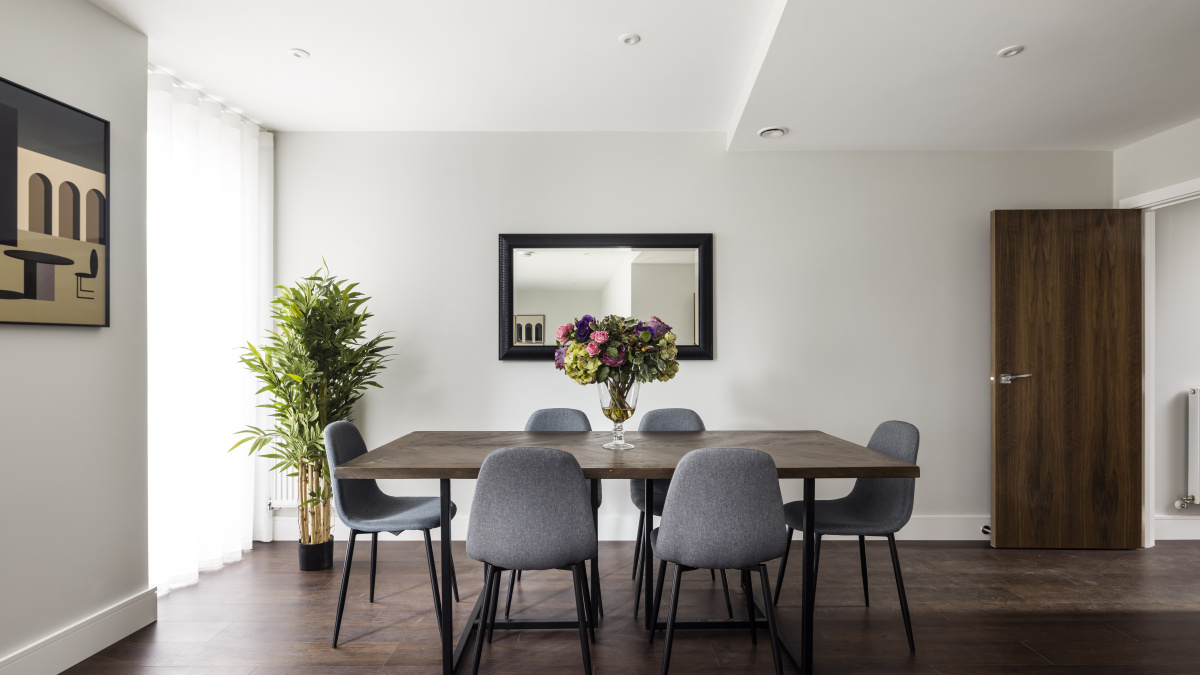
1067 439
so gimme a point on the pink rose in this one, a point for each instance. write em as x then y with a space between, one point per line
593 348
564 332
600 336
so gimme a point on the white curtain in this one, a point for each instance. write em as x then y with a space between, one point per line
209 233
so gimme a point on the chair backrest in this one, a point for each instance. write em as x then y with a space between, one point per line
350 497
558 419
93 263
531 511
888 502
671 419
724 510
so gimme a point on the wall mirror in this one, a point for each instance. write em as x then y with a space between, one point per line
547 280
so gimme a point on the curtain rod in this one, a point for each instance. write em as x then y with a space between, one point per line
150 67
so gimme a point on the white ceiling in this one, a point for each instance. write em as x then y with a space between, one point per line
460 65
573 269
840 74
923 74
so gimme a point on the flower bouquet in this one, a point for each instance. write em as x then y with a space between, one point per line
618 354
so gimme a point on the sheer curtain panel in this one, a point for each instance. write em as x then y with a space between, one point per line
209 275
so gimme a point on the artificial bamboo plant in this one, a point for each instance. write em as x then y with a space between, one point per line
316 365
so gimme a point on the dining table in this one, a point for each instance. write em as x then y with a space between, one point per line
450 455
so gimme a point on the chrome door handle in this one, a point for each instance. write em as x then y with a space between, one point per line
1007 379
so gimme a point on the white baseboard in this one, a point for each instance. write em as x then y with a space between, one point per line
624 528
59 651
1177 527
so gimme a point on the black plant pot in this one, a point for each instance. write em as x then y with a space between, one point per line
316 556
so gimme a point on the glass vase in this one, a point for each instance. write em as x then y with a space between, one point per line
618 398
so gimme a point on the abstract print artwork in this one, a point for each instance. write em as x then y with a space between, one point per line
53 211
529 329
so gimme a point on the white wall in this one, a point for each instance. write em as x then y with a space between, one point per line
851 288
617 295
1177 346
1164 159
560 307
666 291
73 400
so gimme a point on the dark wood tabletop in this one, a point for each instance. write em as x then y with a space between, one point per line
459 454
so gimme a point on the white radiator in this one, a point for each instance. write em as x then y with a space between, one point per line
284 491
1193 450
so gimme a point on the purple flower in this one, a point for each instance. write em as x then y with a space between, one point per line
659 327
642 328
583 327
619 361
560 358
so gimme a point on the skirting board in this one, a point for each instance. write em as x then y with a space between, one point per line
55 653
624 528
1177 527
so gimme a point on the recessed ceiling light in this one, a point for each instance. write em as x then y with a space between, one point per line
1010 51
299 53
630 38
773 132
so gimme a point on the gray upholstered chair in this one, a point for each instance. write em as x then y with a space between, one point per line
734 527
556 419
364 508
662 419
531 512
875 507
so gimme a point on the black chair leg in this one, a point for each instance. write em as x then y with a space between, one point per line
817 555
900 589
491 579
671 614
637 593
783 565
374 546
772 628
495 604
587 592
587 600
512 583
337 622
749 586
713 574
437 596
816 563
662 574
518 575
454 579
725 586
577 576
637 548
862 559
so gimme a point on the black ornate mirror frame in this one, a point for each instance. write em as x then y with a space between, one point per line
704 292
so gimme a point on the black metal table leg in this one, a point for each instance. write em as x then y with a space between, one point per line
810 576
648 556
447 602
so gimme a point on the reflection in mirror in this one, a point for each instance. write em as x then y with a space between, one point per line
555 286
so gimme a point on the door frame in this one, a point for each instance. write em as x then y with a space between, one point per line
1149 202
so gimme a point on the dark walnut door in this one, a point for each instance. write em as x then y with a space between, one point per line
1067 379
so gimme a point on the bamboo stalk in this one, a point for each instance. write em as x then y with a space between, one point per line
302 477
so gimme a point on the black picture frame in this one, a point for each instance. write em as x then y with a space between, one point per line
49 113
703 243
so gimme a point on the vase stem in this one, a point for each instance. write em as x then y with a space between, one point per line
618 434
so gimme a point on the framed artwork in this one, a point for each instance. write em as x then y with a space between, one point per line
54 227
529 329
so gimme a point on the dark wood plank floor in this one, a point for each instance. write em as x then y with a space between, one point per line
975 611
